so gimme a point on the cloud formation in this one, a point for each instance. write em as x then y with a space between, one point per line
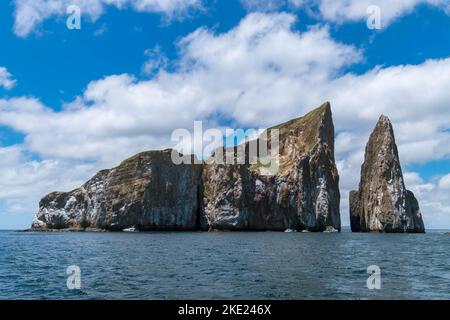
6 79
257 74
341 11
233 74
24 179
354 10
444 182
29 14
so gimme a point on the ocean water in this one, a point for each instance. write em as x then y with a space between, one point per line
224 265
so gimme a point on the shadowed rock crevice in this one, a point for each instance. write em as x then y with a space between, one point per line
149 192
382 202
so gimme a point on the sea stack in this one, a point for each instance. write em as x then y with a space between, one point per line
149 192
146 191
382 203
303 194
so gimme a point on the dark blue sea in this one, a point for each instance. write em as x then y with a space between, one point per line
224 265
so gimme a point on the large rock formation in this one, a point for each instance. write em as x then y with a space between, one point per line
302 194
149 192
382 203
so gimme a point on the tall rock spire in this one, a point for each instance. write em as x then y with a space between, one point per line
382 203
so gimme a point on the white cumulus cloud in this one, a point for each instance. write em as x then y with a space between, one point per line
444 183
29 14
235 74
341 11
6 79
25 180
354 10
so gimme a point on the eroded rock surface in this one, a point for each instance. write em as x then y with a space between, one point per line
150 192
302 195
147 191
382 203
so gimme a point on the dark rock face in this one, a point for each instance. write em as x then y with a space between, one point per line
146 191
302 194
149 192
382 203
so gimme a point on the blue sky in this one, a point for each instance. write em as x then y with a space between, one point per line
64 75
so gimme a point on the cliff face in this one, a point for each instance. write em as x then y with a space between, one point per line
302 194
149 192
382 203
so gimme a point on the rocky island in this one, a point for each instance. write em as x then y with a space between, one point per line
382 203
302 195
150 193
146 191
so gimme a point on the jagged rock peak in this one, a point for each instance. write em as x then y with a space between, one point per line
303 194
382 202
315 125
